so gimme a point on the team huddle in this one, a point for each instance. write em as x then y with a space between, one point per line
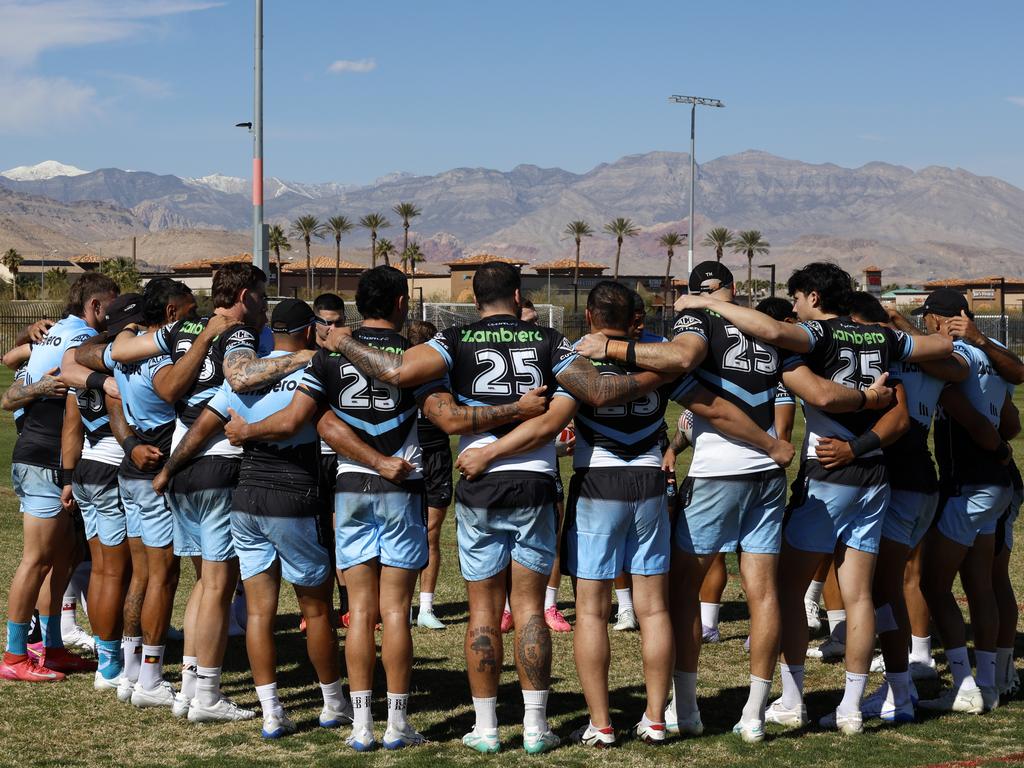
294 448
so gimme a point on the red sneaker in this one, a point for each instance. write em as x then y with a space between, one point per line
23 667
556 621
62 660
36 651
506 622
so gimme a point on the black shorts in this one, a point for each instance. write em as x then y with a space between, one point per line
437 477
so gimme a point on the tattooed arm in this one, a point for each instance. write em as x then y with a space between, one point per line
417 365
20 394
581 378
440 407
345 442
203 428
681 355
244 371
172 381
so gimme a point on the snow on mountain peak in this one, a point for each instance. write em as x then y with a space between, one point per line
221 183
47 169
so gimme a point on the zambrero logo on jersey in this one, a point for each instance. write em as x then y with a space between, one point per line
500 335
857 337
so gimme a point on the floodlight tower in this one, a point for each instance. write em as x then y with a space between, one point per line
693 101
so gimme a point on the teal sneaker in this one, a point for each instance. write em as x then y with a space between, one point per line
536 742
485 742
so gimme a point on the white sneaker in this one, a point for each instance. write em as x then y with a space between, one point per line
77 639
100 683
877 664
625 621
428 620
484 742
651 733
781 715
224 710
752 733
923 670
880 704
956 700
362 740
590 736
829 650
125 687
400 739
180 706
335 718
277 725
850 723
813 615
536 742
690 725
161 696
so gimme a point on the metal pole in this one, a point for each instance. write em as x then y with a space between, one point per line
689 238
260 257
1003 325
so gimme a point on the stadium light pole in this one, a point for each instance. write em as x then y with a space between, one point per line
772 268
693 101
260 256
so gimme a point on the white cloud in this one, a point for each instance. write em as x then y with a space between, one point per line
1018 100
143 86
358 66
31 103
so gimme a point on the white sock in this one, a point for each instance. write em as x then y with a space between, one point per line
152 670
334 695
535 706
684 685
398 705
508 608
208 685
132 647
813 593
1004 664
921 649
709 614
855 685
69 609
757 700
960 668
361 716
268 699
837 625
624 597
550 597
486 714
189 665
792 685
426 602
986 661
899 687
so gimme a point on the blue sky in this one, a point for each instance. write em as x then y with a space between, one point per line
422 87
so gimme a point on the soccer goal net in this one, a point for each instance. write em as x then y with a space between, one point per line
446 315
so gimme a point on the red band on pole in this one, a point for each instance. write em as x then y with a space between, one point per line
257 181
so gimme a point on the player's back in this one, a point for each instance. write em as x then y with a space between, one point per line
908 459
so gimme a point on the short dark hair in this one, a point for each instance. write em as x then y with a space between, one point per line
528 303
377 291
867 308
611 305
495 281
332 302
832 283
85 287
419 331
158 294
232 279
639 306
777 308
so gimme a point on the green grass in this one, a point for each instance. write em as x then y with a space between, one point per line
70 724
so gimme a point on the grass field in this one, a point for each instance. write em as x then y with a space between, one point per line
70 724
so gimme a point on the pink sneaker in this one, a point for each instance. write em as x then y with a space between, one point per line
506 622
556 621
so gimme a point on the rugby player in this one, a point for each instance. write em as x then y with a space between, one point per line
36 476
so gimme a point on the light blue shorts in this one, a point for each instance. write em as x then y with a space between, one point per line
974 512
723 514
848 507
149 509
374 518
616 520
94 487
505 516
200 499
260 540
37 489
909 516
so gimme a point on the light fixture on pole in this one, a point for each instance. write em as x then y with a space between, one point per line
260 255
693 101
772 268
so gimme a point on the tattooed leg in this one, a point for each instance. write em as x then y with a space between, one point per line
483 645
136 589
533 641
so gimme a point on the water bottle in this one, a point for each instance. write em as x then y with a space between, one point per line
670 487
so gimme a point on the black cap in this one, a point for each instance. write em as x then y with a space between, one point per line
125 309
710 276
291 316
945 302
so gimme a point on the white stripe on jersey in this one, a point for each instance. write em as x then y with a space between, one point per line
218 445
410 451
106 451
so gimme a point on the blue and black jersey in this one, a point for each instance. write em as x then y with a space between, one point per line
908 459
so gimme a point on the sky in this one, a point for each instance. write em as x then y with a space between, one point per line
357 90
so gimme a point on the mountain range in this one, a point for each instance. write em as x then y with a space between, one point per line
916 225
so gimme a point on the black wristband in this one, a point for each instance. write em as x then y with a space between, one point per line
64 476
130 444
865 443
96 380
1002 452
631 353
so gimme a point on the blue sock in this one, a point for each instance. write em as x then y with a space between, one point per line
50 627
109 654
17 637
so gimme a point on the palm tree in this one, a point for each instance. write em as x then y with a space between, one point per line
750 242
577 230
277 241
719 238
386 249
406 211
620 228
308 227
670 241
374 222
123 272
12 260
338 226
412 256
